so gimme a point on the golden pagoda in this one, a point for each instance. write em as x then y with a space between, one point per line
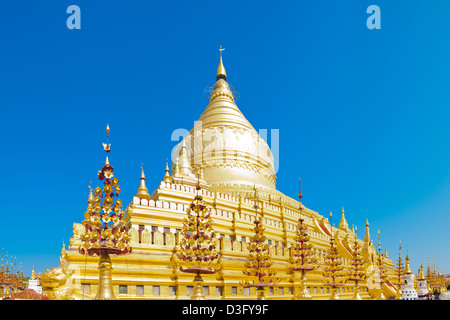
232 159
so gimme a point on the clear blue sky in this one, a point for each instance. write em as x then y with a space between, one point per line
362 114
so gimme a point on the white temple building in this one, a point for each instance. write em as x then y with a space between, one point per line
408 291
422 290
34 283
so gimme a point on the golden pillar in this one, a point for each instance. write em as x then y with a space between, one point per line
105 289
334 293
198 288
356 295
260 293
304 294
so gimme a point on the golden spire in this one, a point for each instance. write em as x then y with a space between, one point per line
367 234
107 146
421 277
343 224
32 273
222 89
185 163
143 191
407 267
300 191
167 177
176 170
221 73
223 131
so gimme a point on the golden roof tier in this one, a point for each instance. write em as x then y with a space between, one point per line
232 154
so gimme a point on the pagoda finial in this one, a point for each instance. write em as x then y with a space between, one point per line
167 177
143 191
367 233
421 276
107 146
300 189
176 170
343 224
407 266
185 163
221 73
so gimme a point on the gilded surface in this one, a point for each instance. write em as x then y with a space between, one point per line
232 159
57 283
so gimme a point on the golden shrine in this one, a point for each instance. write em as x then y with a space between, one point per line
224 160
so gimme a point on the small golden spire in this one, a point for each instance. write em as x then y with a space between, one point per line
185 163
176 170
407 266
107 146
167 177
142 172
421 277
367 233
343 224
221 73
32 273
300 190
143 191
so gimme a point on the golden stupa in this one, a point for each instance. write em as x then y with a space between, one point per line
227 158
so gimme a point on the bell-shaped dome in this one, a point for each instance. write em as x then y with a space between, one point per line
227 147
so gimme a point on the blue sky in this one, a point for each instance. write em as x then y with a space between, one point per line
362 114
